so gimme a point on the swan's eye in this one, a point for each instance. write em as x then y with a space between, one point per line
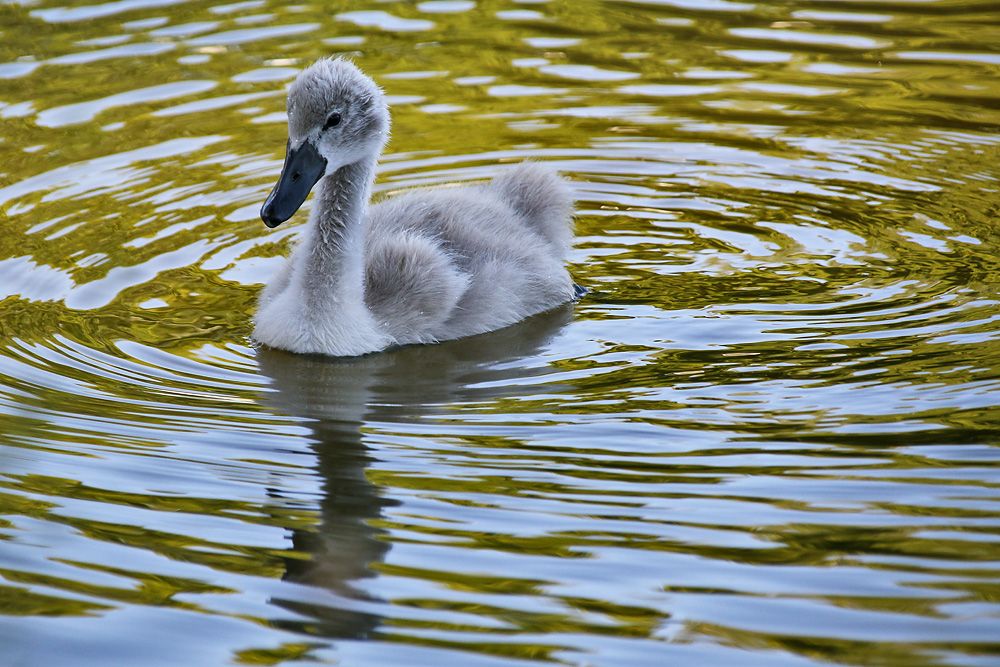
333 120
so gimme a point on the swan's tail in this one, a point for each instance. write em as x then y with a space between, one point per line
542 198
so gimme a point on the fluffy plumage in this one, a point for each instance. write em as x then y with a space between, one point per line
424 266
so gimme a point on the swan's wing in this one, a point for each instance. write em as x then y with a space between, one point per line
449 262
411 285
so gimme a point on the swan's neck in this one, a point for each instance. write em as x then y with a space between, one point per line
321 305
332 268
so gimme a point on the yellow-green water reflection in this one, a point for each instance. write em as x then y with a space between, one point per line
767 436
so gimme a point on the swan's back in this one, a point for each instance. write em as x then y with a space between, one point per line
542 199
450 262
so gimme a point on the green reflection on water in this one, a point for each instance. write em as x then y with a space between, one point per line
785 370
18 601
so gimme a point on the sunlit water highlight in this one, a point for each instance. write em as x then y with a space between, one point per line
767 436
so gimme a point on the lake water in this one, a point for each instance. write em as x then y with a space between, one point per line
769 435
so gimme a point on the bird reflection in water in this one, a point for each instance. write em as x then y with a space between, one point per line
335 398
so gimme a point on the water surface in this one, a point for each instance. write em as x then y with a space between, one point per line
767 436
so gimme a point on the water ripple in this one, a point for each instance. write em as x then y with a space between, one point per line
766 435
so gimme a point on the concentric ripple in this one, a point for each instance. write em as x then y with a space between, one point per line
766 436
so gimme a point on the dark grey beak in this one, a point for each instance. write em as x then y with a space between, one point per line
303 167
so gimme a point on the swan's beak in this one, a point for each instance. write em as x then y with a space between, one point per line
303 167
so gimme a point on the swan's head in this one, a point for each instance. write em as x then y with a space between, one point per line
336 116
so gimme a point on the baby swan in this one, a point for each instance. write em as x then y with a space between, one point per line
420 267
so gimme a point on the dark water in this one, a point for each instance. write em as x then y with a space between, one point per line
767 436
